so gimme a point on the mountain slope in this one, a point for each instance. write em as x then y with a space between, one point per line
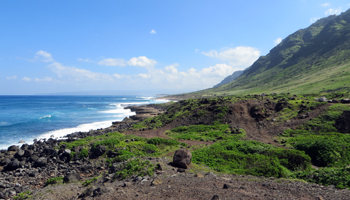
230 78
313 59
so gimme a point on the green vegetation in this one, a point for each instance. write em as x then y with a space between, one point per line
203 132
89 181
311 60
83 153
251 157
320 140
54 180
339 177
316 141
135 167
23 195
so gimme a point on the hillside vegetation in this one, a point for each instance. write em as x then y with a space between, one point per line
314 59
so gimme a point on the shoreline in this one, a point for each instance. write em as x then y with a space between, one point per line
137 111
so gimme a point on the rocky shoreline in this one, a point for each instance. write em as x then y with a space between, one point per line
28 167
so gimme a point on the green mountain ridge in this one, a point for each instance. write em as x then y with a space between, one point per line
230 78
314 59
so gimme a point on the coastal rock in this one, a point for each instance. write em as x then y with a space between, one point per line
98 151
322 99
42 161
345 101
19 153
13 148
182 158
34 158
50 152
87 193
13 165
5 161
101 190
71 177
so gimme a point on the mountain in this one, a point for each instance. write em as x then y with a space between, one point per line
230 78
314 59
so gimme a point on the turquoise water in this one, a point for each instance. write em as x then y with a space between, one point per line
36 117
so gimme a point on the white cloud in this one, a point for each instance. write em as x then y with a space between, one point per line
222 70
314 19
76 74
85 60
11 77
239 56
112 62
172 68
332 11
196 50
44 56
26 79
46 79
142 61
120 76
325 4
277 41
153 32
143 75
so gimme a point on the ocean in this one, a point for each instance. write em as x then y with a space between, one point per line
37 117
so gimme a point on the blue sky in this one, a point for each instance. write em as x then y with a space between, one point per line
152 46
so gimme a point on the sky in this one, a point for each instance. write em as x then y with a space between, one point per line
131 47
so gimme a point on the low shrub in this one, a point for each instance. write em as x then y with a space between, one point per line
110 142
54 180
83 153
135 167
339 177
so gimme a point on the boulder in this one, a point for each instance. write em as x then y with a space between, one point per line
87 193
102 190
13 165
50 152
34 158
13 148
19 153
28 153
345 101
322 99
42 161
5 161
182 158
71 177
342 124
98 151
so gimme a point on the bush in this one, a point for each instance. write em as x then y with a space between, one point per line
83 153
54 180
291 159
110 142
23 195
251 157
340 177
135 166
158 141
327 151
